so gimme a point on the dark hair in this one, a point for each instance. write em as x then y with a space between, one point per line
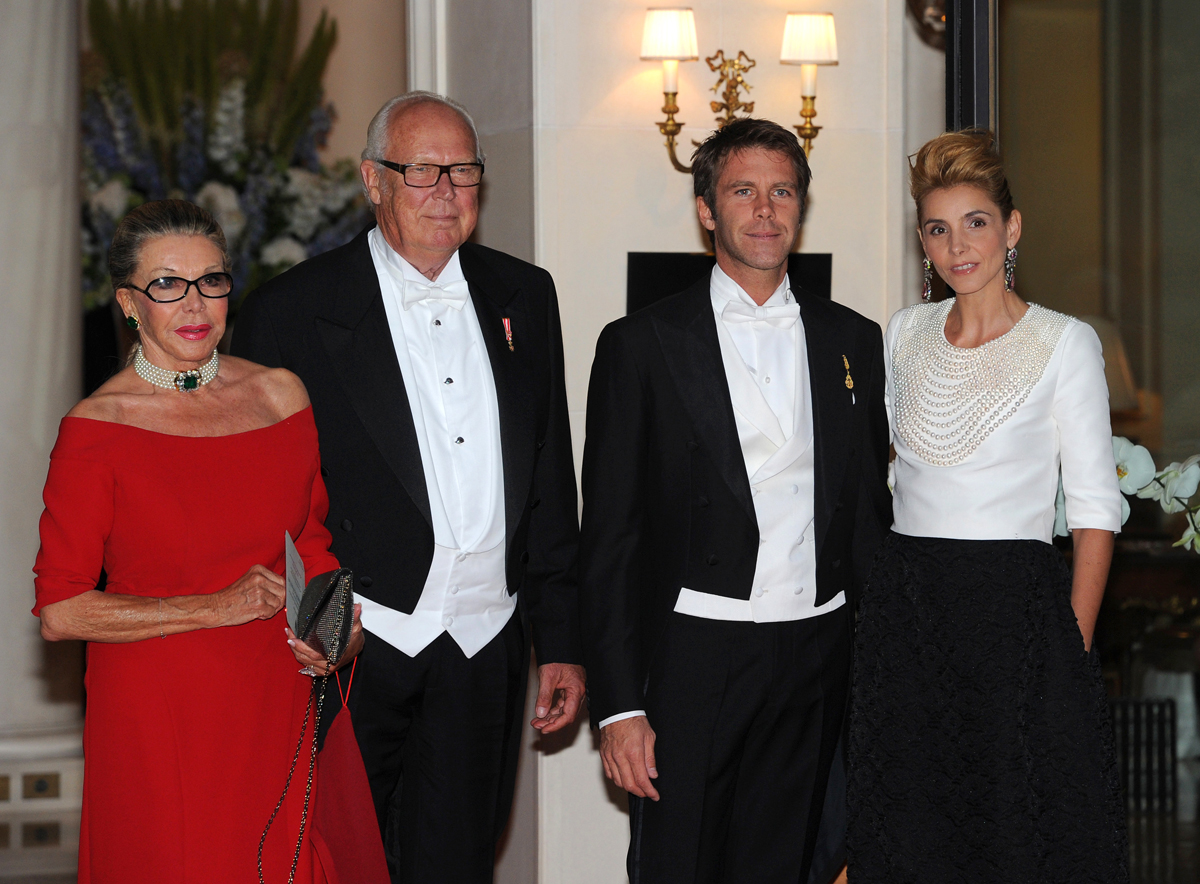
746 134
955 158
152 220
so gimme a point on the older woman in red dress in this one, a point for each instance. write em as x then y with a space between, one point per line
179 477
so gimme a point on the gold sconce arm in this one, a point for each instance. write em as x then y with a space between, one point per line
806 131
730 73
671 129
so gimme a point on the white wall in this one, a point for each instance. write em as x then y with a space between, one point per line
604 187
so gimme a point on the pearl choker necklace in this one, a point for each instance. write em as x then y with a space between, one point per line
183 381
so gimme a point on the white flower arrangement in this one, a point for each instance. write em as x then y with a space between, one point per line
1172 487
235 125
315 198
111 198
283 252
222 202
227 144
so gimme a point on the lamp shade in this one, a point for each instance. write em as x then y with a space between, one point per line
669 34
808 38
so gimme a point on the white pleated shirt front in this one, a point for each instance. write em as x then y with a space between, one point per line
452 397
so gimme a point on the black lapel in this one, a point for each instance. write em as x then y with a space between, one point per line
687 333
353 328
827 339
496 299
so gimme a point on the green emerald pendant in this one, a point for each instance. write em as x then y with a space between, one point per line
191 382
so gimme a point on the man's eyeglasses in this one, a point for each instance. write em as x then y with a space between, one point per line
167 289
428 174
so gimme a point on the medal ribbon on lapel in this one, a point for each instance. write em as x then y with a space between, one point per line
508 332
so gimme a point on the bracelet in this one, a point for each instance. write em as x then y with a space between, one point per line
161 634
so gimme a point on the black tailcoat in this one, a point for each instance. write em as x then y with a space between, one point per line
324 320
667 499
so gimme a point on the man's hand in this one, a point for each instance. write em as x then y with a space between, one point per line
560 694
627 750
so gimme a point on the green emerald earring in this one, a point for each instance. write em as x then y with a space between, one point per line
132 322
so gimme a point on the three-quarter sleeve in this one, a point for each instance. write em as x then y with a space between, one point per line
314 539
1081 413
79 501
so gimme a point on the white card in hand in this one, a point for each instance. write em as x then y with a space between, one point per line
294 575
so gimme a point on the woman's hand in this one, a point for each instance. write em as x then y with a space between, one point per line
258 594
315 662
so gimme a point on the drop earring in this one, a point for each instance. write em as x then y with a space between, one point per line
927 294
1010 269
132 321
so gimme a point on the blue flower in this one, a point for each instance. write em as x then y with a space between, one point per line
190 162
320 121
340 232
99 143
136 158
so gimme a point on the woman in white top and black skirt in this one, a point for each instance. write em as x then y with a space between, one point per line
980 749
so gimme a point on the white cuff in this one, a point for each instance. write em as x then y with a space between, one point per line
621 717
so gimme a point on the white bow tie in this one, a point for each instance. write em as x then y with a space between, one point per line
454 294
780 316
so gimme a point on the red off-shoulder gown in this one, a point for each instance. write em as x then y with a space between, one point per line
188 739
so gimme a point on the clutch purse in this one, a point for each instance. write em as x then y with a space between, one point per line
323 621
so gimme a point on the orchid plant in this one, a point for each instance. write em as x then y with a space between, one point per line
1173 487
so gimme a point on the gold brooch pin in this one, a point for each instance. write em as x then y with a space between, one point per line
849 380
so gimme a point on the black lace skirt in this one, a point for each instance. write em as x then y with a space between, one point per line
980 748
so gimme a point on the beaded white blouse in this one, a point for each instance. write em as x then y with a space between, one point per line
980 433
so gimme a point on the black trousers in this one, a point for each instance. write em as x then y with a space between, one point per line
747 718
433 732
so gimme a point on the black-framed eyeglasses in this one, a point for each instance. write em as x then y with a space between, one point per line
167 289
429 174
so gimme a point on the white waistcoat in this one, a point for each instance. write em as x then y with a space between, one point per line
782 482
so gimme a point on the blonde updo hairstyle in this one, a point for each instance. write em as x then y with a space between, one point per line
956 158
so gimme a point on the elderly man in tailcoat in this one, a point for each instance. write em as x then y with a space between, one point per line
435 368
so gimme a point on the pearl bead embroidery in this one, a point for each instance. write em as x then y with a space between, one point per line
948 400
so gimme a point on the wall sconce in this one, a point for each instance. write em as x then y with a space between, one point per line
669 36
808 40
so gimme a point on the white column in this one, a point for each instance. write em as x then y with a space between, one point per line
40 360
40 709
428 57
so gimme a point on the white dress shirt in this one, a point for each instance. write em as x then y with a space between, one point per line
766 364
452 395
1005 488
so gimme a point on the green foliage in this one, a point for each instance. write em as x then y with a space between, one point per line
167 51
